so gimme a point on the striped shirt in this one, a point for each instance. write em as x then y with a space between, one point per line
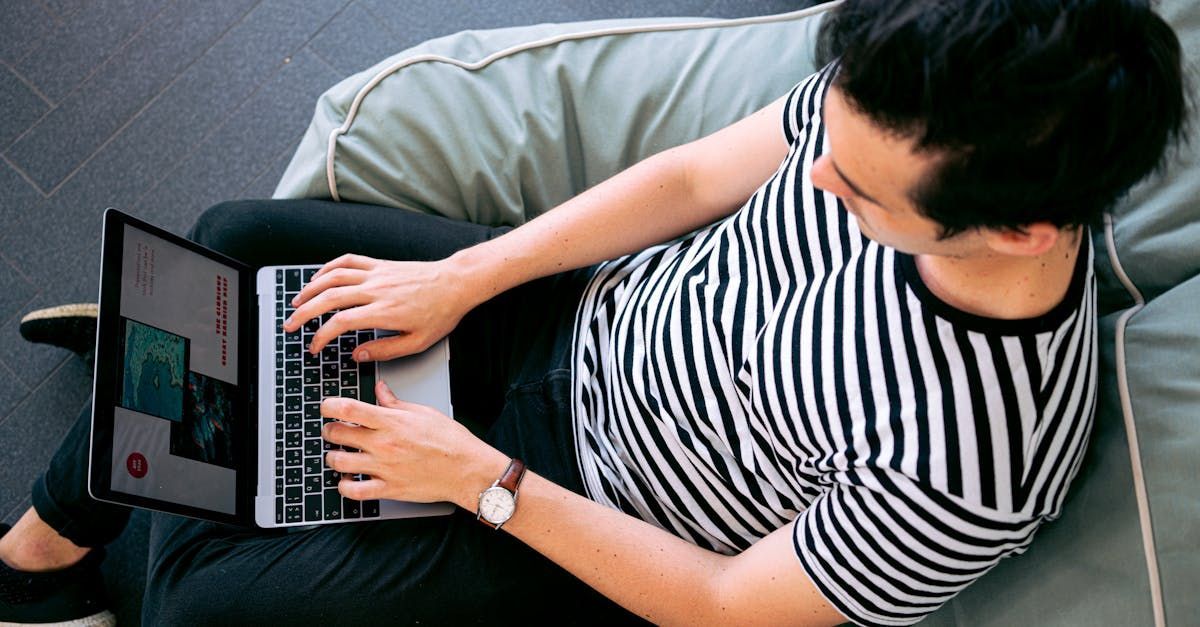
777 367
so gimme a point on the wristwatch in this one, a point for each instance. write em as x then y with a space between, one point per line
497 503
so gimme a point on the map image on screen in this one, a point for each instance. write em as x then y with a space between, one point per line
155 367
205 434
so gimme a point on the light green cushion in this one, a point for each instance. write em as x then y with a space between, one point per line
501 144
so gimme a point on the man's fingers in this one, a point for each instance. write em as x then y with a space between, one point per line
352 319
386 398
349 260
386 348
337 277
349 463
361 490
334 298
353 410
347 435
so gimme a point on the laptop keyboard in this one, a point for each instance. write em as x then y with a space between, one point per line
305 490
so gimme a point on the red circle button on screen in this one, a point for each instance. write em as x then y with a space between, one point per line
137 465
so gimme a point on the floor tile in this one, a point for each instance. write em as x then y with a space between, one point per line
83 43
25 23
21 106
30 362
12 391
264 185
355 40
73 131
15 290
237 151
17 198
64 9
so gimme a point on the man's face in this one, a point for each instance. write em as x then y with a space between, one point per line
872 172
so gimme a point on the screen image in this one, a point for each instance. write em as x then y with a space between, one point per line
175 435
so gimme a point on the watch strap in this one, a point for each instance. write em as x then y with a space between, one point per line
511 479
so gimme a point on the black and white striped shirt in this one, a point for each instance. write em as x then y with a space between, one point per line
777 367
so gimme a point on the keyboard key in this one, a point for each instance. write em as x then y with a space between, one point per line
279 413
347 342
365 336
312 428
312 447
278 396
295 476
279 276
329 372
312 325
292 403
312 465
312 376
278 449
350 393
330 388
312 485
308 274
291 385
346 361
278 378
349 379
370 509
292 351
279 430
293 457
292 422
331 478
295 494
333 505
279 486
278 511
313 509
366 384
312 394
292 280
293 439
351 508
312 411
311 360
279 467
294 514
329 354
292 368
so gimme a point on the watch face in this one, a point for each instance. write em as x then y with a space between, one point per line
496 505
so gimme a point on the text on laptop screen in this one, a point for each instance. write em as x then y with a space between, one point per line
174 433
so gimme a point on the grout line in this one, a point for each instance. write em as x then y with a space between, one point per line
149 103
326 62
33 390
19 171
384 23
125 44
53 16
137 203
21 273
37 92
241 193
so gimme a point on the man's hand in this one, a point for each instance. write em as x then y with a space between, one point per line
423 301
411 452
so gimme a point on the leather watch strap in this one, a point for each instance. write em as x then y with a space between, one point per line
512 475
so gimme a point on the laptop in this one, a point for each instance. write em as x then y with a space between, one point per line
204 407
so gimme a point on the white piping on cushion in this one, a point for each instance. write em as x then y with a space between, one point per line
1135 455
331 179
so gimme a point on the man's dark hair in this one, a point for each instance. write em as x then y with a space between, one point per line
1041 110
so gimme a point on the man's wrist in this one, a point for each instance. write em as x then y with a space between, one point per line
478 475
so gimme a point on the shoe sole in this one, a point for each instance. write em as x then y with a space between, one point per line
79 310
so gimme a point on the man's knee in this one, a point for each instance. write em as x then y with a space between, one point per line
219 220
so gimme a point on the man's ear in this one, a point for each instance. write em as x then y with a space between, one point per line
1030 240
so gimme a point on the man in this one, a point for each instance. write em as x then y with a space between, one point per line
847 397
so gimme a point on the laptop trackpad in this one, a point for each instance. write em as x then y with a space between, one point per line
423 378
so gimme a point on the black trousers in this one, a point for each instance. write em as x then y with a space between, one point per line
510 371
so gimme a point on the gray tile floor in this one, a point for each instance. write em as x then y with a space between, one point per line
163 108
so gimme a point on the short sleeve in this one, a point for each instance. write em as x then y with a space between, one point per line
803 101
887 551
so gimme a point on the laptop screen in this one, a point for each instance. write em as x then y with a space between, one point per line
174 437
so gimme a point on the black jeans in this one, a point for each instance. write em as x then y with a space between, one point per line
510 370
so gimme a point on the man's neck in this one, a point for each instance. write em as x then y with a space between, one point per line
1002 286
